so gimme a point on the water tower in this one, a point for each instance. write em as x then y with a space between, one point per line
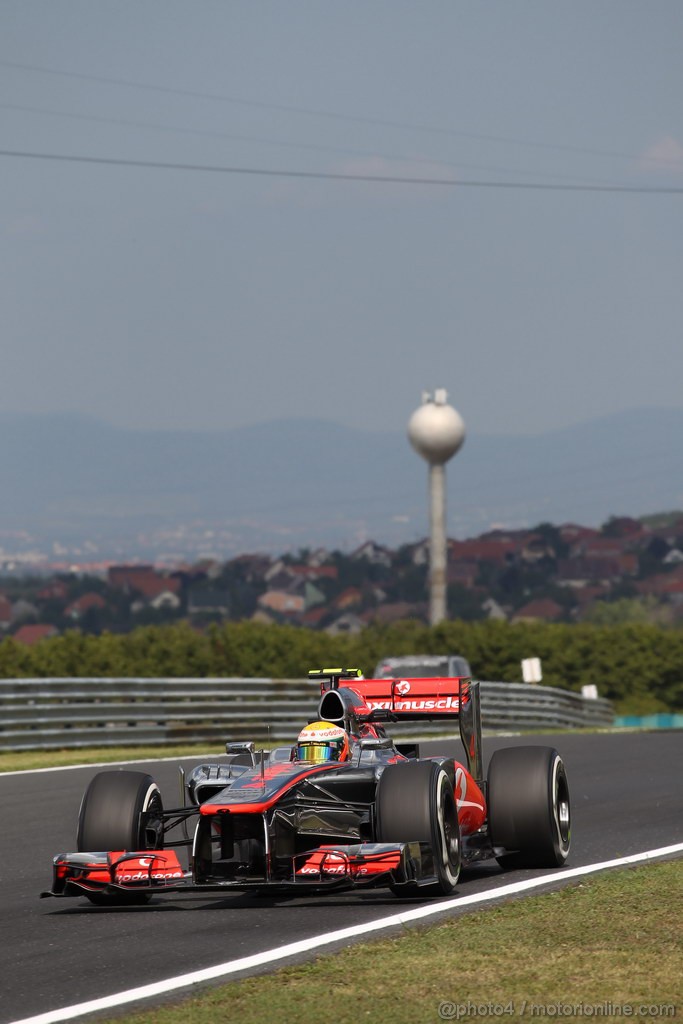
436 432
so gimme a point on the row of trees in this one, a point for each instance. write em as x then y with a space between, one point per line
638 666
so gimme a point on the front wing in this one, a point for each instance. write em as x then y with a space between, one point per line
148 872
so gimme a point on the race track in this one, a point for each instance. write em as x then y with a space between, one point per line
626 798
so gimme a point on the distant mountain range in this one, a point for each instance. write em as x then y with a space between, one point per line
301 482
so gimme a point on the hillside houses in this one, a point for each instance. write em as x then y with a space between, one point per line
546 574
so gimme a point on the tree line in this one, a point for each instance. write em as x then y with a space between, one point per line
638 666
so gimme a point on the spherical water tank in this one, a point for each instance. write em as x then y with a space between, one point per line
435 430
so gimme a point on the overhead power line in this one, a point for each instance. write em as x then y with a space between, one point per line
286 144
341 176
330 114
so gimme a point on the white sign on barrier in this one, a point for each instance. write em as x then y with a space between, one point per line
531 670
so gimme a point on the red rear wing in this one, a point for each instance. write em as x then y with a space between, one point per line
438 697
411 698
347 697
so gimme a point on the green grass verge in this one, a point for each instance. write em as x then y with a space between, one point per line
25 760
615 938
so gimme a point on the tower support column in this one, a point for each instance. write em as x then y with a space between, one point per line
437 545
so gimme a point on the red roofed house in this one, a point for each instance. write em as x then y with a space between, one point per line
283 602
143 579
313 617
54 590
124 577
597 547
462 572
34 633
666 584
78 608
572 532
578 572
396 611
349 598
153 589
500 552
543 609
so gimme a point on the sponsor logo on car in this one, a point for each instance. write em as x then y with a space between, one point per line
315 733
328 867
416 704
145 876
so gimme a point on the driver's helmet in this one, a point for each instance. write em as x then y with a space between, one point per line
322 741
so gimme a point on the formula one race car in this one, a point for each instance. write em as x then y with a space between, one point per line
345 807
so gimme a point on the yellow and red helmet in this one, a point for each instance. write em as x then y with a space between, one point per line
322 741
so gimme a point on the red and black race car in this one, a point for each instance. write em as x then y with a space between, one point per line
382 816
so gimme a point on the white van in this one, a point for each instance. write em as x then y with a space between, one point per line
423 666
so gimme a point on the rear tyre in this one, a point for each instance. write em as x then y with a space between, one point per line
416 803
529 807
120 810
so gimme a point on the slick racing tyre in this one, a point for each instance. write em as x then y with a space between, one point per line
416 803
120 810
529 809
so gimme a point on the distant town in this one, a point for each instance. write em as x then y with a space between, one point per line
628 570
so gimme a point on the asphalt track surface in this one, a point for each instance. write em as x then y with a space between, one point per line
627 797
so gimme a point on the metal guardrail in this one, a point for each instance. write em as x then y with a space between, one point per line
50 714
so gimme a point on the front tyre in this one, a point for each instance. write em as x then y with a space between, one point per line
416 803
529 807
120 810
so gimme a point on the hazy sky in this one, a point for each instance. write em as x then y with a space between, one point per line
178 298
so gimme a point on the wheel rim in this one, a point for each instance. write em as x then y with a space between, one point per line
561 807
449 837
153 823
452 844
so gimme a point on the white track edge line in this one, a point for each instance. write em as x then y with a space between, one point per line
328 938
110 764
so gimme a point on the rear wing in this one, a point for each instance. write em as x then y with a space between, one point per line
345 697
